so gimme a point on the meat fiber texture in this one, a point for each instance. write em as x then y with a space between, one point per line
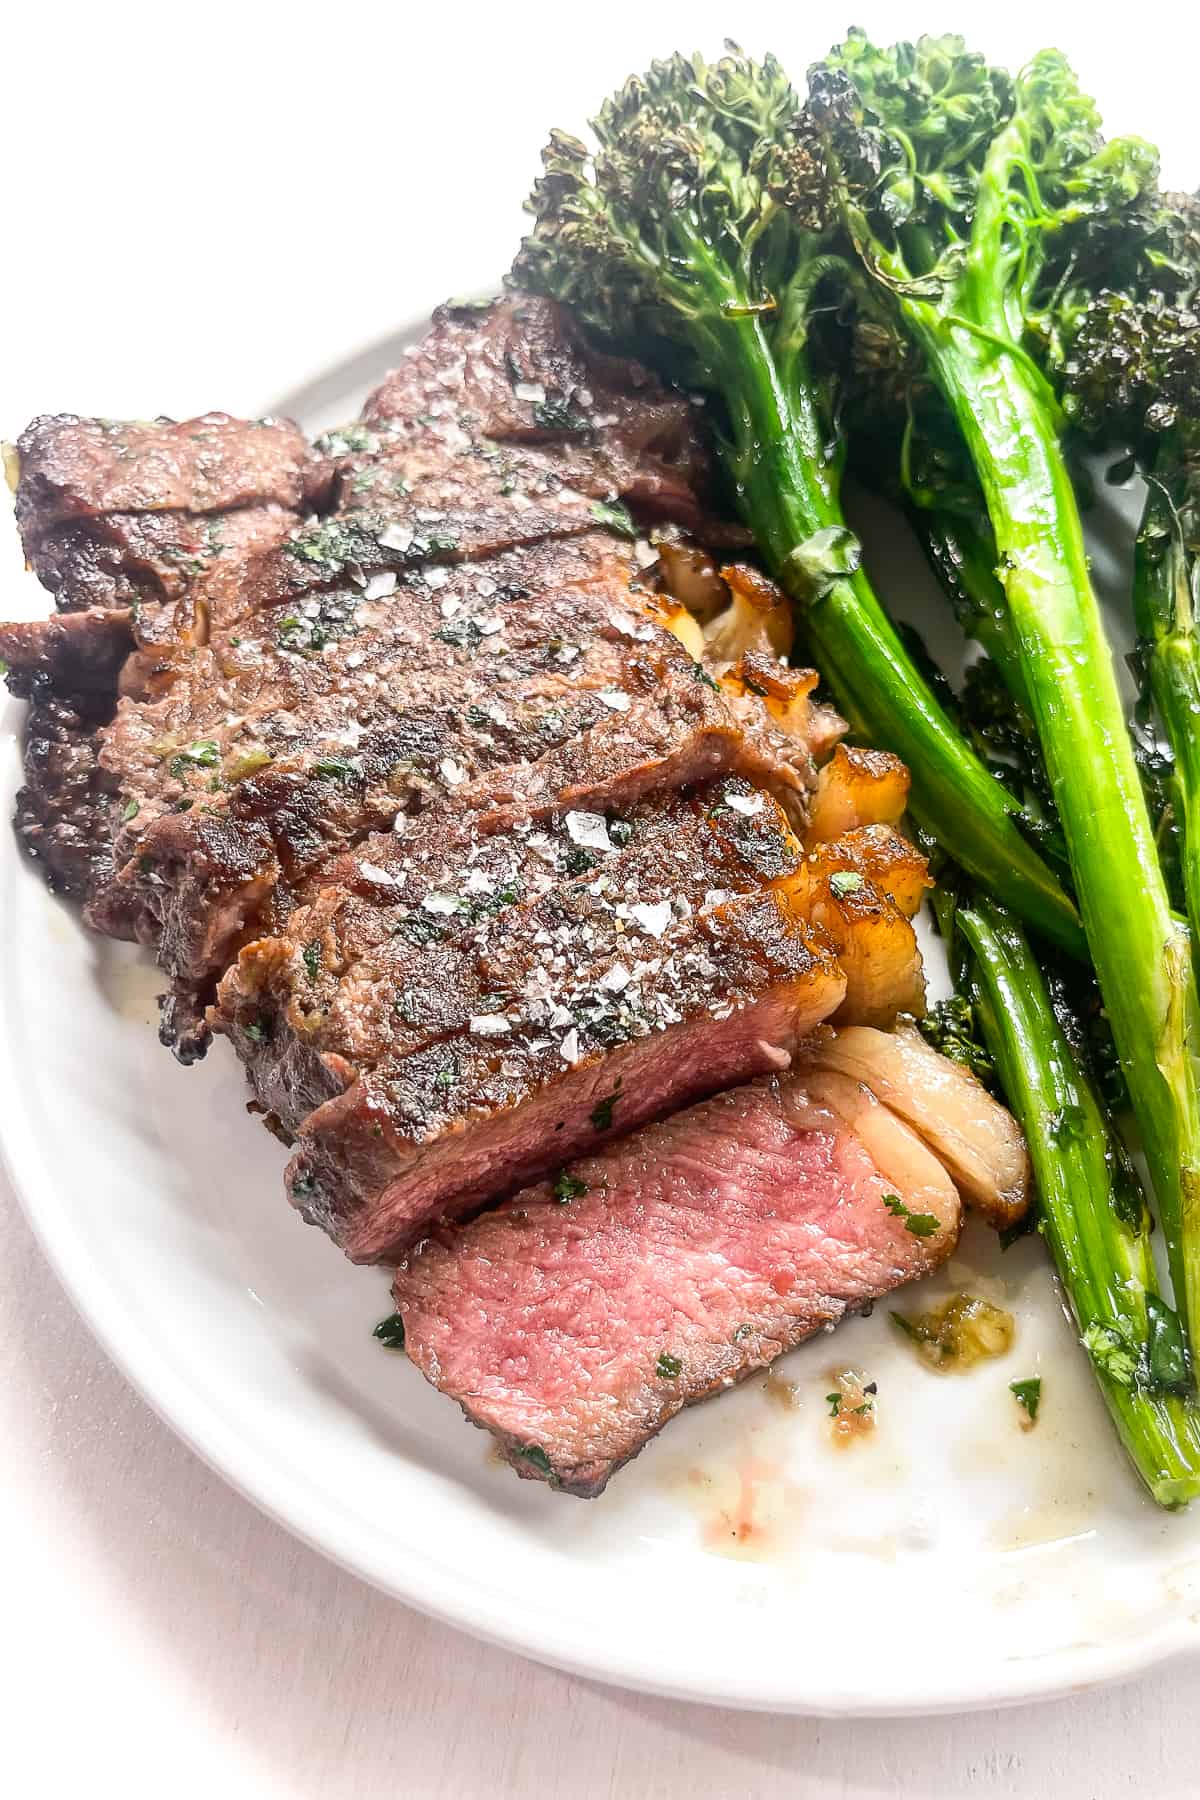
320 725
577 1318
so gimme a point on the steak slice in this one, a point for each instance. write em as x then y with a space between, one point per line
74 468
577 1318
514 387
361 976
138 517
727 995
272 790
144 534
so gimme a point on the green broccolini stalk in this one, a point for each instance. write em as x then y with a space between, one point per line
1166 596
1132 376
1042 1033
1092 1212
686 231
982 207
1035 1032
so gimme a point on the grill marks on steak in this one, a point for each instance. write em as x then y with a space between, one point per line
577 1318
577 700
443 1130
424 932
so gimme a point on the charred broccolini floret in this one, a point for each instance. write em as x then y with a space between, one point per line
982 207
698 231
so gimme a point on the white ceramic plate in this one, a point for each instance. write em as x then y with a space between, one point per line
950 1560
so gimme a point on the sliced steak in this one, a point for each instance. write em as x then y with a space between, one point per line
724 996
143 517
73 468
76 656
362 975
144 534
272 789
514 386
577 1318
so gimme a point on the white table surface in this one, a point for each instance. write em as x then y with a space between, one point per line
174 179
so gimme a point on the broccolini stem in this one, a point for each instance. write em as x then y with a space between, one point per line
1166 626
787 488
963 558
1094 1219
1140 952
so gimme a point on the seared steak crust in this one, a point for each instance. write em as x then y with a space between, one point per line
426 930
66 809
73 468
443 1130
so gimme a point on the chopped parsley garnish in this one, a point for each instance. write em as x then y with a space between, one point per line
568 1188
130 810
534 1454
920 1224
619 832
303 1186
332 544
203 754
312 959
555 413
616 516
257 1032
299 634
668 1367
1166 1353
390 1332
345 440
1111 1352
845 881
445 1079
602 1112
834 1402
1028 1394
702 674
335 768
741 1333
